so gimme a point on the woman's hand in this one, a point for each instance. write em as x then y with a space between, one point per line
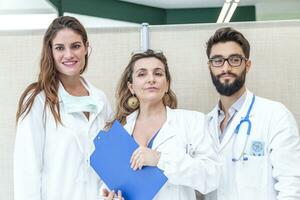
110 195
144 156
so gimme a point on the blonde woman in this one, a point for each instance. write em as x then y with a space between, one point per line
174 140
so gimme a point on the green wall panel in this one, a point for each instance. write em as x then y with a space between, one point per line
195 15
124 11
207 15
117 10
244 13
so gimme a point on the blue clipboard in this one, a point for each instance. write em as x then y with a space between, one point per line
111 161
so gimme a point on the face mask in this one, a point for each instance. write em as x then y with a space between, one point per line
74 104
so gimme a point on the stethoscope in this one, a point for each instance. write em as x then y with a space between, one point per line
246 120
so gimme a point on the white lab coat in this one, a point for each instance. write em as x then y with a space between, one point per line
185 173
276 175
52 162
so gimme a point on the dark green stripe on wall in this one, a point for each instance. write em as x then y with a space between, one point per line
244 13
194 15
207 15
124 11
117 10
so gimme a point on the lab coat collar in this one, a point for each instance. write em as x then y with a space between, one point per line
214 113
81 140
213 119
165 132
70 118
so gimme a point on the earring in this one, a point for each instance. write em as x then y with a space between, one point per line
133 102
89 51
166 99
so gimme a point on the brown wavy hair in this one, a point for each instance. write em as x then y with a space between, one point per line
48 76
227 34
123 93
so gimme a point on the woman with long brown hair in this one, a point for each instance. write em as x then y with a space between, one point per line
174 140
57 119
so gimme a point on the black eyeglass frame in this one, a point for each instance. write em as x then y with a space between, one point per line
228 61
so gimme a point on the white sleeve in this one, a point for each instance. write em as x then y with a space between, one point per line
200 172
28 154
285 154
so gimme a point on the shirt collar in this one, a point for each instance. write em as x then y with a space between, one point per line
235 107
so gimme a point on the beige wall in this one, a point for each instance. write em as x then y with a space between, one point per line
275 69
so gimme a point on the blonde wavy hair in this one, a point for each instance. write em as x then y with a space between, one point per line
123 93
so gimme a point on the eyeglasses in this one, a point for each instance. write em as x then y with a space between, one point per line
233 61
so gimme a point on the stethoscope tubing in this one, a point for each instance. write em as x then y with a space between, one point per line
246 120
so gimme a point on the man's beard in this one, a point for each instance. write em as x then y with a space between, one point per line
227 89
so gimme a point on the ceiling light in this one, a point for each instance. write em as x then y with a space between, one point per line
227 11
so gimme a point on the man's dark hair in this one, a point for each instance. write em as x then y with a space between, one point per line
227 34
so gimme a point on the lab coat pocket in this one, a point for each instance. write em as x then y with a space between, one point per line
251 173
